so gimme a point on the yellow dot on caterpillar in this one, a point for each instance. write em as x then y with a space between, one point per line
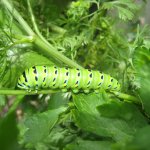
64 84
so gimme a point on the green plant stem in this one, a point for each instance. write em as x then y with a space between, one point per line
126 97
34 22
47 49
57 29
17 16
25 92
45 46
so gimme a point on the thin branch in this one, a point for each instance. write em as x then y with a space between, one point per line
126 97
24 92
50 51
34 23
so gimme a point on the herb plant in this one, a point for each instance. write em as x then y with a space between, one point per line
103 35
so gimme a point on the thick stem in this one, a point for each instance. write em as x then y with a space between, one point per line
45 46
51 52
18 17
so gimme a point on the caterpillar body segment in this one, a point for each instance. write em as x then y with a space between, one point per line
52 77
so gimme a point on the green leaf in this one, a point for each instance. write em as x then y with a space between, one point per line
38 127
88 102
19 62
59 137
58 100
8 133
118 127
125 8
125 14
141 140
124 111
89 145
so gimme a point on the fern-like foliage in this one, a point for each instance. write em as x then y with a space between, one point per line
125 8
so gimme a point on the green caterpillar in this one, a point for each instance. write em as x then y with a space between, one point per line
52 77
